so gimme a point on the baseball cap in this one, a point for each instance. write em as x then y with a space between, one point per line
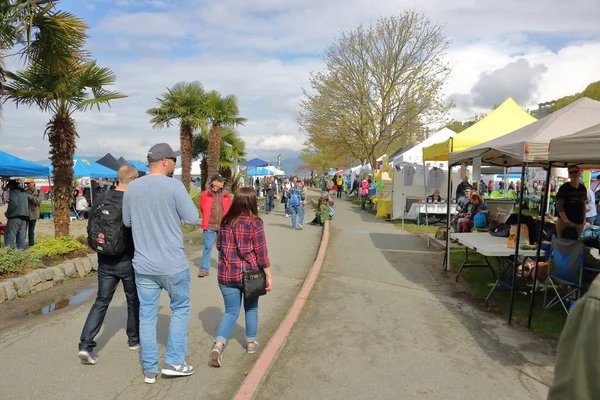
217 177
160 151
29 180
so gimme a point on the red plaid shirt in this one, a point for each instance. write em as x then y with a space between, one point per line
252 246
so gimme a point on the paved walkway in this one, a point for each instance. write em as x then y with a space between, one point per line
381 323
38 358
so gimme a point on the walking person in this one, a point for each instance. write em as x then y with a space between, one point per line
269 197
242 246
17 215
34 198
154 208
214 204
339 182
364 191
296 197
113 243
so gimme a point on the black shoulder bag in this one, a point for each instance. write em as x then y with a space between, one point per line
254 281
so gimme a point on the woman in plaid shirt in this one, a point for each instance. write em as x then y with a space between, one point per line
242 245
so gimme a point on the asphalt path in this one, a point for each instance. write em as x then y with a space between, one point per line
38 355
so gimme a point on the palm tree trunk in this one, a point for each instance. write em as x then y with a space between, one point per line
204 172
187 140
62 137
214 150
226 173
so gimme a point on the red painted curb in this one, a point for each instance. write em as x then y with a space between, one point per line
259 371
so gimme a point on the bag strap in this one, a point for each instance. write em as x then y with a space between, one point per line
237 248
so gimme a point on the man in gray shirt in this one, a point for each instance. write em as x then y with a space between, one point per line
154 207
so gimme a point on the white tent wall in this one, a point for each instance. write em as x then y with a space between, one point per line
400 192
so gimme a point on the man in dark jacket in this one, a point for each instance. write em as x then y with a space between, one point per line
34 196
111 270
17 215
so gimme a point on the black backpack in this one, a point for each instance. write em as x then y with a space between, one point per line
106 232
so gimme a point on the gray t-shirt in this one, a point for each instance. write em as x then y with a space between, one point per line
154 206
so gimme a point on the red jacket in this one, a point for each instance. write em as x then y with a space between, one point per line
206 202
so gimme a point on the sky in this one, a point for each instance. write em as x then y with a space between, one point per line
263 51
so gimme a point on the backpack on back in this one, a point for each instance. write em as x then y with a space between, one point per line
106 232
294 198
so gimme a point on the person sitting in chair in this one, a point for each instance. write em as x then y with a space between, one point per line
474 207
82 206
435 197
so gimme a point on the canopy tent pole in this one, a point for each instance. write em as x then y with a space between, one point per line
426 209
539 241
518 244
448 214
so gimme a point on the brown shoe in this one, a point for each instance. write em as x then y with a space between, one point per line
202 274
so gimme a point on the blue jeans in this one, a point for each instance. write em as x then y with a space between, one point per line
363 200
232 296
297 210
208 238
149 288
31 231
591 220
16 228
270 202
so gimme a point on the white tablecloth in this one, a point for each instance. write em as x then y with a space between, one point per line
432 208
491 246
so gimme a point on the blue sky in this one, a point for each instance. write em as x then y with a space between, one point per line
263 51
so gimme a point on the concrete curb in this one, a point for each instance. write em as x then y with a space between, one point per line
260 369
45 278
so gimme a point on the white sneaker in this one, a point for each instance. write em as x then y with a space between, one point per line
287 216
150 376
300 226
87 357
177 370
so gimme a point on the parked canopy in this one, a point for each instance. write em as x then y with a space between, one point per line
14 166
110 162
530 143
580 148
84 168
264 171
256 162
415 154
504 119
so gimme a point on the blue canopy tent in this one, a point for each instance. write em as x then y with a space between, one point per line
139 166
15 166
83 168
259 171
256 162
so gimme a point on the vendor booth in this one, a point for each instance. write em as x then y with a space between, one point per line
528 146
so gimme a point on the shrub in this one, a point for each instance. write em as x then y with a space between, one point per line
57 246
83 240
14 260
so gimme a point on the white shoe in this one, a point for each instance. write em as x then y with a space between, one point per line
300 226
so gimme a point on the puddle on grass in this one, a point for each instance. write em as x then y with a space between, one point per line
77 298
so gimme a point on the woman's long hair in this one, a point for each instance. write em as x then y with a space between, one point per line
244 202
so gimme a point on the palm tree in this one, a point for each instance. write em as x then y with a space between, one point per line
232 152
183 103
79 87
38 33
220 112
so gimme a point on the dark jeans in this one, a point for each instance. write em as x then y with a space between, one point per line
31 231
339 192
363 201
270 199
109 276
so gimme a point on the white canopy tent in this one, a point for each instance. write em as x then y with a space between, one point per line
580 148
195 170
415 154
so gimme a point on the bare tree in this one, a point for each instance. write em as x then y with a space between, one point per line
381 86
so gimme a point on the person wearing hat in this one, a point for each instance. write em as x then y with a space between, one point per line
17 215
154 207
34 196
214 204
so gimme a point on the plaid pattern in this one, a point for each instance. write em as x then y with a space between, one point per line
252 245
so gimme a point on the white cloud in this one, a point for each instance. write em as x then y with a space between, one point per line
250 48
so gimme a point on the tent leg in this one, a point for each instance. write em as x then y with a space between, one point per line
448 215
516 260
539 248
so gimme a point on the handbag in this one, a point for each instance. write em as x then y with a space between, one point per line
254 281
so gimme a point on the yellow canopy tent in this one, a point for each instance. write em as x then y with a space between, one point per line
508 117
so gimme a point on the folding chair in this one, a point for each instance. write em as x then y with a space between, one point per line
565 272
410 200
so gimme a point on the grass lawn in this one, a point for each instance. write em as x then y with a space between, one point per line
412 227
549 321
356 201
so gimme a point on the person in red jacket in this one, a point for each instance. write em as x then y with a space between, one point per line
214 204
